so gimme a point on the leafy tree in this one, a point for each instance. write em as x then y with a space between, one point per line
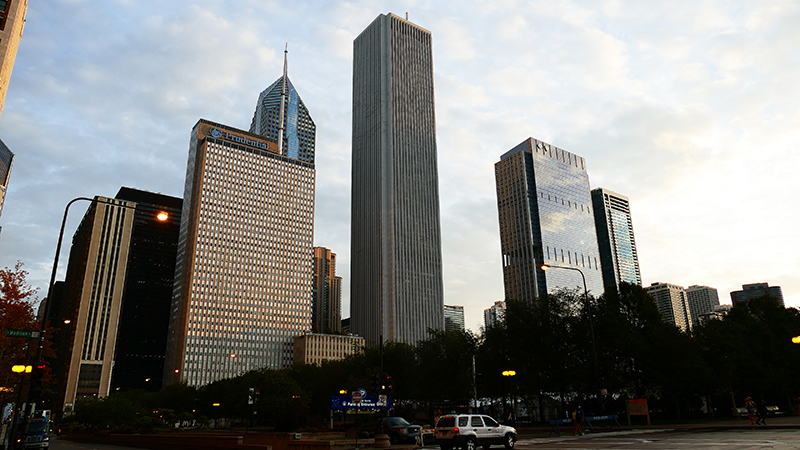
16 312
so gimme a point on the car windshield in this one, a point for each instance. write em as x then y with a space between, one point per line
37 427
397 422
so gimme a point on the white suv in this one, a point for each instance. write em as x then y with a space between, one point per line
470 431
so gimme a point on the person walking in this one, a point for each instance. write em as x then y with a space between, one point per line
762 411
751 410
579 416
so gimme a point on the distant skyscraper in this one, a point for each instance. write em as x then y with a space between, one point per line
672 304
618 257
294 131
494 315
327 292
12 21
396 251
454 318
755 290
546 217
117 293
702 300
243 273
6 158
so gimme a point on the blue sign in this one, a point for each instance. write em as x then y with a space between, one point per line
367 402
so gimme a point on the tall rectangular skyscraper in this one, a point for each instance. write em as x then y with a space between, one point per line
618 257
243 273
327 292
672 304
117 294
12 22
396 251
546 217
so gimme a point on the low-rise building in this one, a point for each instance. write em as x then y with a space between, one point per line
314 348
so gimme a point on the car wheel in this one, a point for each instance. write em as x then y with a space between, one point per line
393 439
510 441
471 444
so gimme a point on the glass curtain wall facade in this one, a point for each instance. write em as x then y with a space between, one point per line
396 252
454 318
618 257
6 158
545 210
299 130
243 273
146 299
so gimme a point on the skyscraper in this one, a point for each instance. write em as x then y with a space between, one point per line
327 292
702 300
6 158
282 117
117 294
618 257
243 273
12 22
454 318
546 217
672 304
754 290
396 251
494 315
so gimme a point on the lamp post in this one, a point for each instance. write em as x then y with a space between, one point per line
36 378
587 306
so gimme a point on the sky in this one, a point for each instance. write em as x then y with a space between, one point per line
689 108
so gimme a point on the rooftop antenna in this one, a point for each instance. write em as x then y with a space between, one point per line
283 98
406 15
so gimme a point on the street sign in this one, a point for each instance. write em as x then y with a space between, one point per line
356 399
345 402
22 333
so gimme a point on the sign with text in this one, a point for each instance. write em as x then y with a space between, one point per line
366 402
22 333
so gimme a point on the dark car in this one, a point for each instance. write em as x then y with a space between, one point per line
398 429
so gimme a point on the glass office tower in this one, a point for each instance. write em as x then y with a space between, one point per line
243 273
546 217
618 256
396 246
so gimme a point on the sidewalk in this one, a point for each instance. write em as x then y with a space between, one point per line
773 423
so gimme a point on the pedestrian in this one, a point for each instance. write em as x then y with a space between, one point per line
762 411
579 416
751 410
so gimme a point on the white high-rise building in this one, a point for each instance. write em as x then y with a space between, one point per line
672 304
702 300
396 247
494 315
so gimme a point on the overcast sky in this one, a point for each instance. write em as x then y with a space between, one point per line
691 109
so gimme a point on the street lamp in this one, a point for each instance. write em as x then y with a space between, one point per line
508 374
544 267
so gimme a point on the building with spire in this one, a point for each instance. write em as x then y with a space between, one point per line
282 117
243 288
396 251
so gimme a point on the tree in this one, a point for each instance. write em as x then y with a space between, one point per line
16 313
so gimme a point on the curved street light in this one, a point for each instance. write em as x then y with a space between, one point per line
545 267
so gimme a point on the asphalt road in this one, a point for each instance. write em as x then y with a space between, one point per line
57 444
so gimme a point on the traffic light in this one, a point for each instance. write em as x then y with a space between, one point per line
36 381
386 383
478 381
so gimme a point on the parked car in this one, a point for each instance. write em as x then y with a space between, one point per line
470 431
398 429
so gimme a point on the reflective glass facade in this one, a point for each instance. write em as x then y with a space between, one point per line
6 158
396 246
299 130
453 318
243 273
618 256
546 217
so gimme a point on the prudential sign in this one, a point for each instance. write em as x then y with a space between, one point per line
228 136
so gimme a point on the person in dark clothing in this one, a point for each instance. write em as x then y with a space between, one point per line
762 411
